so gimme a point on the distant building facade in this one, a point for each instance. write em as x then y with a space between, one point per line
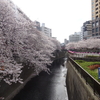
42 28
46 30
37 25
75 37
54 38
95 18
91 29
95 9
82 32
96 28
66 41
87 29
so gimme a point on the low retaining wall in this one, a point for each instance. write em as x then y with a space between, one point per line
76 86
87 58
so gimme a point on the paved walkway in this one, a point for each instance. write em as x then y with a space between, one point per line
46 87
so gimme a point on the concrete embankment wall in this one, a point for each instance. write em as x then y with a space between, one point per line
9 91
76 85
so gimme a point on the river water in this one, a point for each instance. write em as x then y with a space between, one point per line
46 86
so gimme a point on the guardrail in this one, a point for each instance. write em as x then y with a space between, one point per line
87 59
95 85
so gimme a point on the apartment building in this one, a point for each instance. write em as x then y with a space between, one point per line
96 28
87 29
95 18
75 37
95 9
42 28
46 30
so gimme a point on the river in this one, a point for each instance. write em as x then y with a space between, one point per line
46 86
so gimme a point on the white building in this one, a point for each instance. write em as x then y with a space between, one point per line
75 37
46 30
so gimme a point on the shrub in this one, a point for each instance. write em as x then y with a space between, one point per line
92 67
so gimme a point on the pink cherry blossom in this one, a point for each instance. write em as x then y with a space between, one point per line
21 42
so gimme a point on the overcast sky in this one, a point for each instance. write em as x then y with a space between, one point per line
64 17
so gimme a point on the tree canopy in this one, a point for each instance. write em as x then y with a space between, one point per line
21 42
84 44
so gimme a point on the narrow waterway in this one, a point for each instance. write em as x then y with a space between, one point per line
46 86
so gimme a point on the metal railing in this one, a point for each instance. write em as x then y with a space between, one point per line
95 85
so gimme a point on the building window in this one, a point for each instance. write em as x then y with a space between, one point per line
92 3
93 24
92 17
96 34
96 30
96 1
97 23
92 30
96 9
96 17
96 5
97 12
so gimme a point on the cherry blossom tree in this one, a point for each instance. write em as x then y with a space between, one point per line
84 44
21 42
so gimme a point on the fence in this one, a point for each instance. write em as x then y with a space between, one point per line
95 85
